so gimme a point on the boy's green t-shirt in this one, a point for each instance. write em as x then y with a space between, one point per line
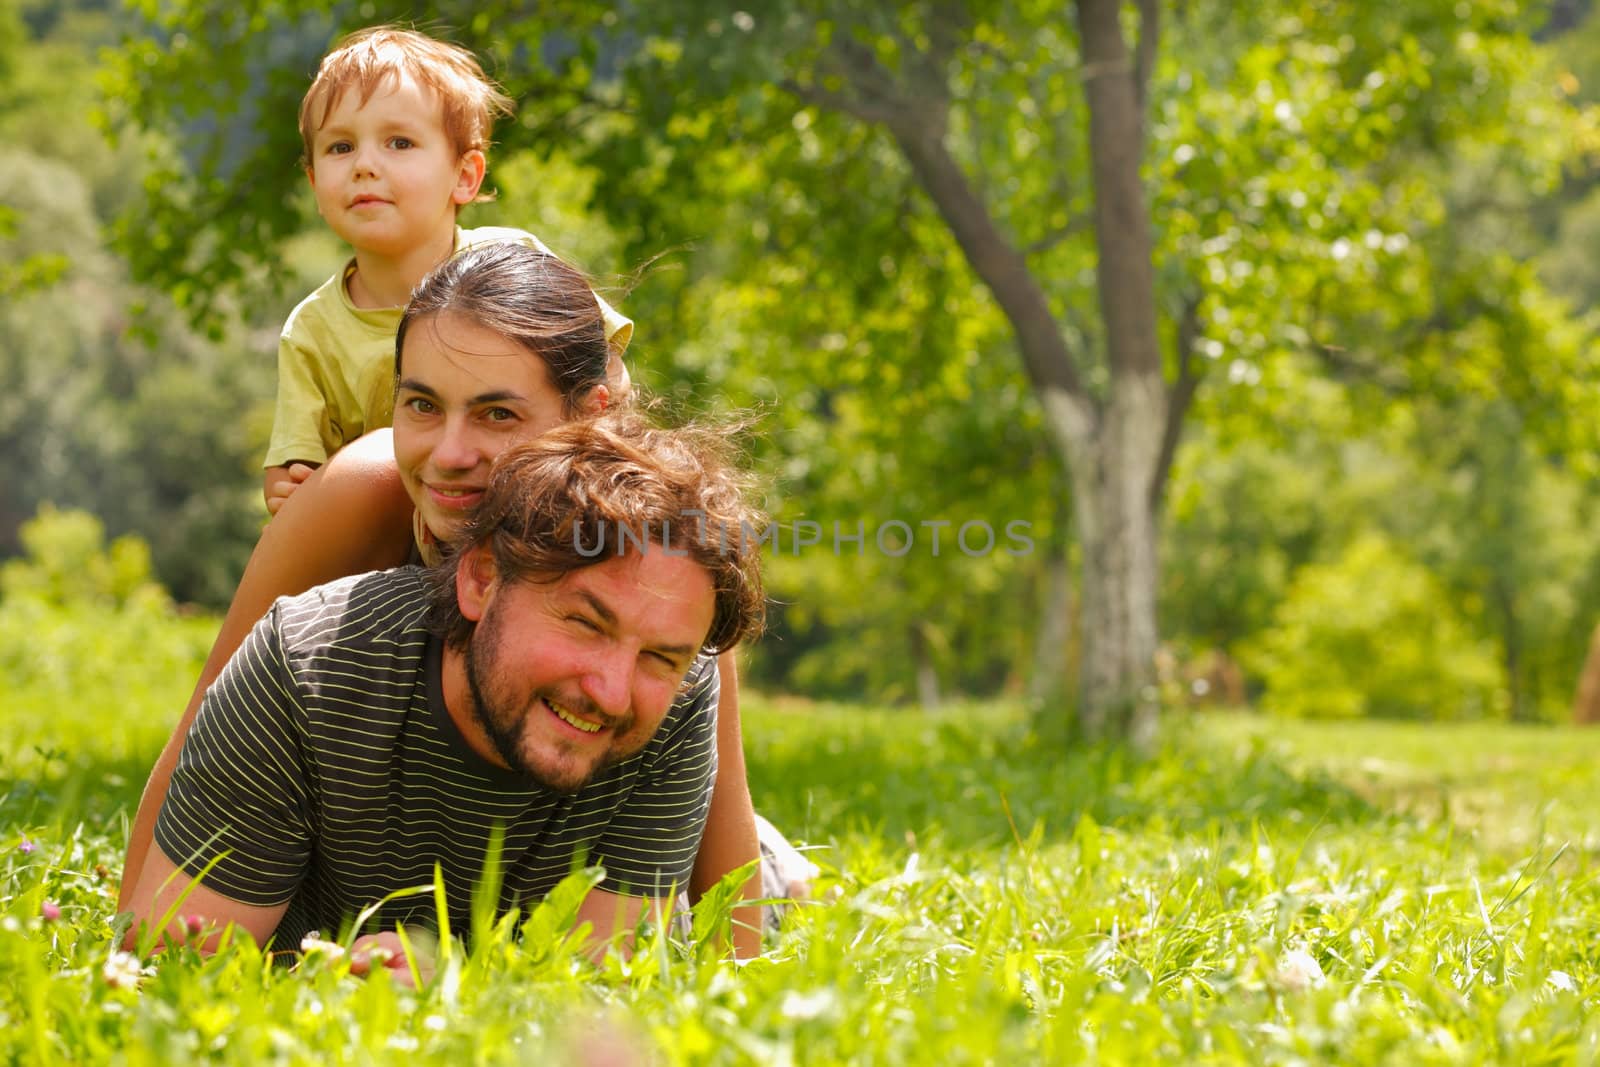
336 363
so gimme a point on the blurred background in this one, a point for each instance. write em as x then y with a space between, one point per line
1372 244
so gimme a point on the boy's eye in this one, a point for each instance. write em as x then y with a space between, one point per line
401 142
337 148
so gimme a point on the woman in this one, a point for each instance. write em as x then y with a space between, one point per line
467 389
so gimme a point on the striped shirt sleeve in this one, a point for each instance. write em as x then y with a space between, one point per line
649 847
239 790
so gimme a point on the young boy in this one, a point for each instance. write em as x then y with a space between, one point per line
395 126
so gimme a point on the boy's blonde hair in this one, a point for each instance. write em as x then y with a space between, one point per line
367 59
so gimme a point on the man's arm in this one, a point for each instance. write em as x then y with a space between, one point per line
162 883
352 516
236 814
612 913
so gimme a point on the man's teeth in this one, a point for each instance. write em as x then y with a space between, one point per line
567 717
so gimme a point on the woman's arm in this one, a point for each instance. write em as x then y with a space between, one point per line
730 837
350 516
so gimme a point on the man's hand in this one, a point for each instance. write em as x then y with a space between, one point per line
280 482
386 952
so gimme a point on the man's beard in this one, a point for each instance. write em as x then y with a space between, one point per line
494 708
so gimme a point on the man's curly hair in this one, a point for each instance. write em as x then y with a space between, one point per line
602 487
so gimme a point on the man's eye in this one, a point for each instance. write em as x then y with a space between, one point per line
583 623
664 663
422 405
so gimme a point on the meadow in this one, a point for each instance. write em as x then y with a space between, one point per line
1256 891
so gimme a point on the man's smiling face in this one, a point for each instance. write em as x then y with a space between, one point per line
564 679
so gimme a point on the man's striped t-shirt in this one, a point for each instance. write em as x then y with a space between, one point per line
325 770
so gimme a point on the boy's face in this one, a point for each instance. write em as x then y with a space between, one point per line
386 176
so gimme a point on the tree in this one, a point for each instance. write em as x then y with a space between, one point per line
151 429
1138 191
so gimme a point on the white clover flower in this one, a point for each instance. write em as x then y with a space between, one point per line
312 945
1298 970
122 970
807 1005
1561 982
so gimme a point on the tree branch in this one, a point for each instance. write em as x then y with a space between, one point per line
1125 270
1145 52
918 126
1178 399
860 68
1341 364
845 105
1001 267
1076 225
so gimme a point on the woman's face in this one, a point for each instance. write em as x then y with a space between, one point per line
466 394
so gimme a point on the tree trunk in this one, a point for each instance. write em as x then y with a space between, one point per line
927 672
1115 470
1113 444
1586 707
1117 539
1048 680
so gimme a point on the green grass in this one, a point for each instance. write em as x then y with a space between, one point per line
993 899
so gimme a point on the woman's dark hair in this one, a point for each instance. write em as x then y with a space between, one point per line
528 296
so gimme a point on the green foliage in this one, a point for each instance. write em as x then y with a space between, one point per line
68 565
1510 531
83 624
1463 487
109 407
1244 515
1371 634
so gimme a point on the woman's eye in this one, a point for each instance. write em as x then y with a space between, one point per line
500 414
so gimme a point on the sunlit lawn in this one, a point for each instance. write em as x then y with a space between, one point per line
1259 891
1510 786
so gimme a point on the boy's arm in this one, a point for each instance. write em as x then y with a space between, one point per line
281 481
730 839
303 423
